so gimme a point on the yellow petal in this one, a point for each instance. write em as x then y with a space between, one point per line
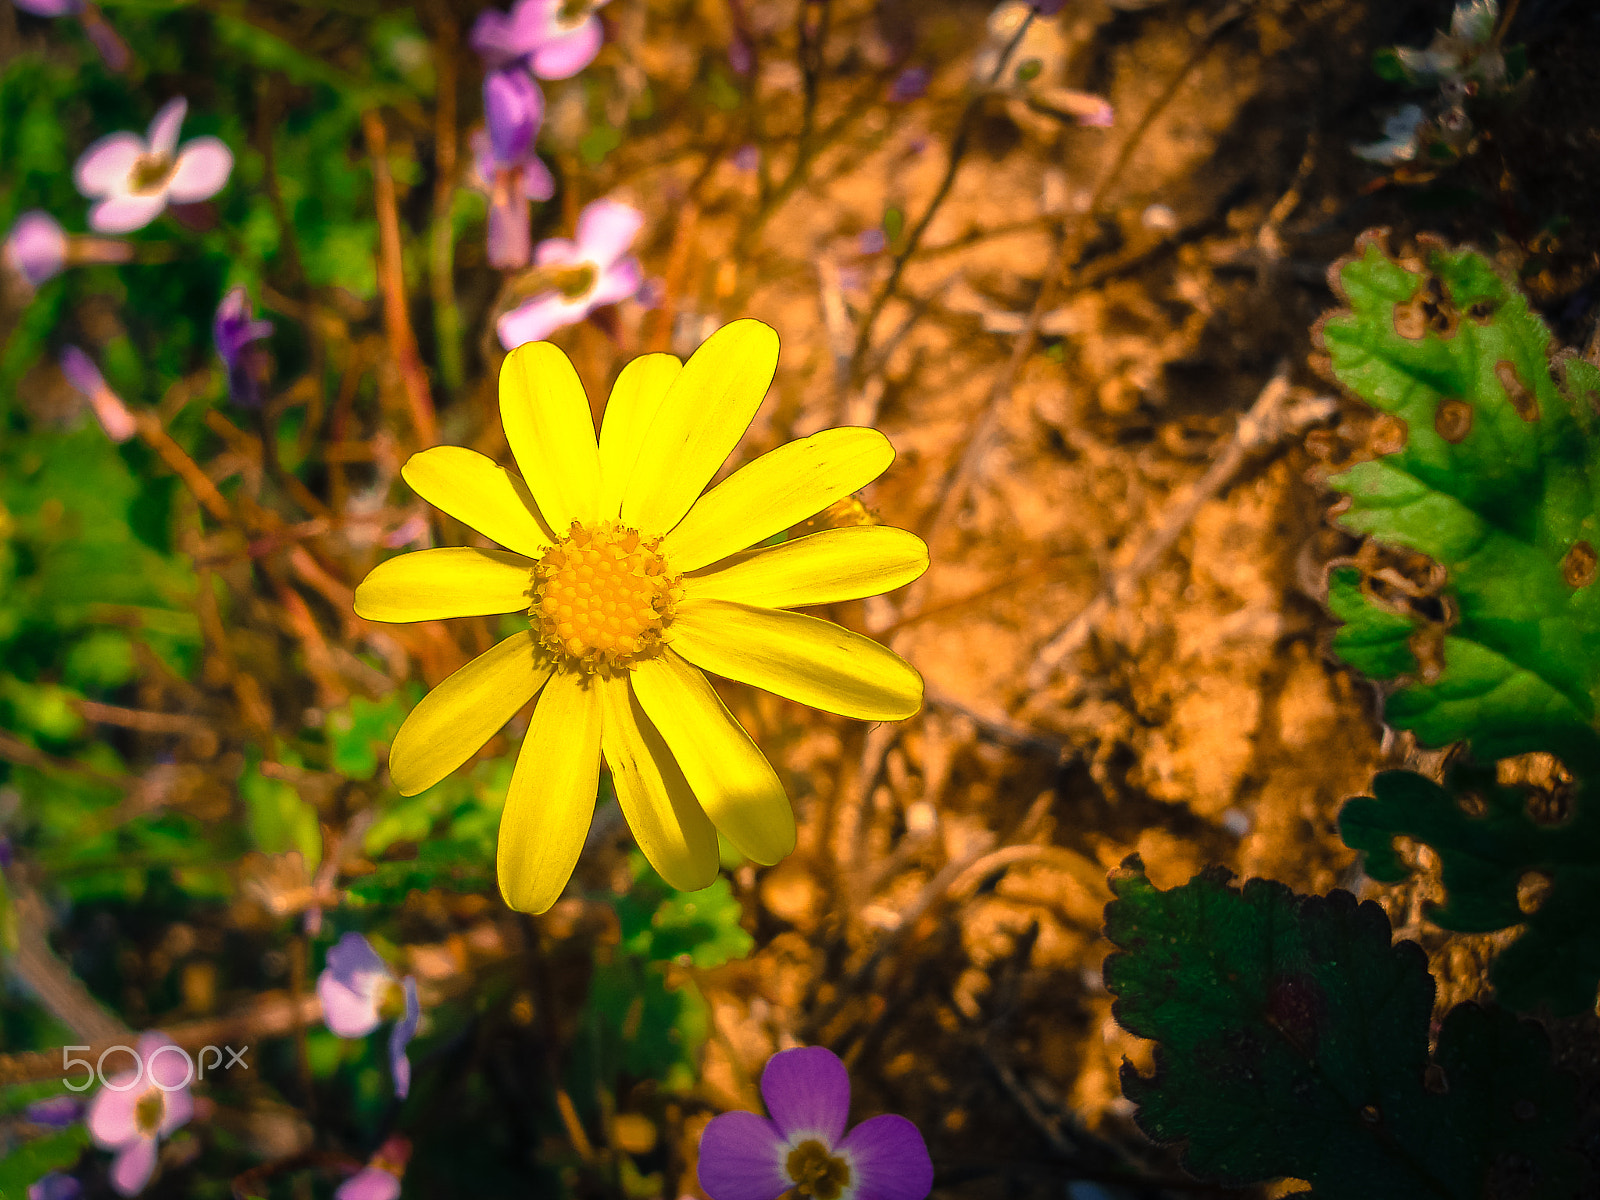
635 399
551 800
735 784
667 821
465 711
782 487
836 564
701 419
547 422
481 494
427 585
804 658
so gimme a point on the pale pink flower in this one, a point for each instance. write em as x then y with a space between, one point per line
134 178
583 275
555 39
136 1109
108 407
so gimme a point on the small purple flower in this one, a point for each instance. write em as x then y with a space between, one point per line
50 8
746 1157
872 241
236 332
359 992
581 275
134 177
555 39
56 1112
910 84
512 174
109 409
747 158
36 247
136 1109
1048 8
55 1186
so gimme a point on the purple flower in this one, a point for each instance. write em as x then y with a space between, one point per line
380 1178
746 1157
1048 8
134 177
511 172
872 241
747 158
909 84
36 247
555 39
109 409
359 992
137 1108
55 1186
50 8
236 332
580 276
56 1112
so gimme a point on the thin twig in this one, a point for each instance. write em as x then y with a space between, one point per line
1257 428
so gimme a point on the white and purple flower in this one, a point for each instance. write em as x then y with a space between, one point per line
237 333
109 410
508 166
804 1146
555 39
134 178
359 992
37 248
577 277
136 1109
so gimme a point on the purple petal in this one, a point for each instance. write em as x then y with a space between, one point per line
234 327
510 233
55 1186
110 1118
565 54
349 986
537 181
606 229
807 1091
909 85
888 1160
538 319
163 132
124 214
36 247
617 282
166 1065
203 167
400 1037
133 1166
109 409
80 371
369 1183
742 1157
513 106
56 1112
747 158
872 241
114 51
50 8
502 40
556 252
104 167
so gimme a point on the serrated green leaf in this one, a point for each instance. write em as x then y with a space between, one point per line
644 1026
700 928
1483 856
54 1152
1496 481
1372 639
1293 1041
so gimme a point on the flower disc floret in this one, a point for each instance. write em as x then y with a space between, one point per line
816 1172
603 597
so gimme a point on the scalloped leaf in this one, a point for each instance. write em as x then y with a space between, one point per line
1292 1040
1495 478
1483 856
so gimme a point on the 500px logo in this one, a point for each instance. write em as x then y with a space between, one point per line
142 1067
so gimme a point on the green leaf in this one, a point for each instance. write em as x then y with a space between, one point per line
1484 854
1495 479
460 866
693 928
644 1026
1293 1041
1373 639
363 728
54 1152
278 819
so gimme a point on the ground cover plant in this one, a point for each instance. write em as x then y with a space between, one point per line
831 598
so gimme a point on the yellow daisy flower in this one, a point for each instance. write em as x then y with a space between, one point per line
635 583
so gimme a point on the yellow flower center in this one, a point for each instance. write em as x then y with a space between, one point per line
816 1172
574 281
148 1111
149 172
391 1002
603 597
